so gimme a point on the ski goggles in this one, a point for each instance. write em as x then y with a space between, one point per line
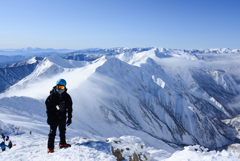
60 87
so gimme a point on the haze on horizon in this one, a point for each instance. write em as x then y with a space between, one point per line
82 24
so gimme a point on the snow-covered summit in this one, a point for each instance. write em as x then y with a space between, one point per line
168 98
56 64
34 60
58 61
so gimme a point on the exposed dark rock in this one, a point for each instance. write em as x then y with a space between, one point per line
117 153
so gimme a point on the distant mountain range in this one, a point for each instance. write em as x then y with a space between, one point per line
177 97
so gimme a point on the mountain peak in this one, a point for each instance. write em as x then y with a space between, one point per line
59 61
134 90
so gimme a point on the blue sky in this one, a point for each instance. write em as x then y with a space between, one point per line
80 24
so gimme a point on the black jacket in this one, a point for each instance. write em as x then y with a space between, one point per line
64 103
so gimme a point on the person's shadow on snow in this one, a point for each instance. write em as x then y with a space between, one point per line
98 145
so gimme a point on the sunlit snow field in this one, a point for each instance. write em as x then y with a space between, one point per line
97 92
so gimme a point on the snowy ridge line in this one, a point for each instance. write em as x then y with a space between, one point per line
139 93
233 117
14 73
211 91
213 123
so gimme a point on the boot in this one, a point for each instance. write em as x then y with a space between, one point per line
64 145
50 150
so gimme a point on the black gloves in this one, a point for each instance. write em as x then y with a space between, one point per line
69 121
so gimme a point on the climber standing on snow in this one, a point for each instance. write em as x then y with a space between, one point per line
58 104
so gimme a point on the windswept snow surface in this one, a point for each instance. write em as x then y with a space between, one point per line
160 98
195 153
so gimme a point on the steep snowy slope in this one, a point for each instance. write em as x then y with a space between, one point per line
137 100
142 93
149 107
220 86
54 64
12 74
47 68
212 81
8 60
9 56
234 122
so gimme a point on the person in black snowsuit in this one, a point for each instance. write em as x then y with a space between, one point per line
59 108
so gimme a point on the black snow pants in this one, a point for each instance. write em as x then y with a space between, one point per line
60 122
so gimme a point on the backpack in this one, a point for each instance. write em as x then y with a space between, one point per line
2 146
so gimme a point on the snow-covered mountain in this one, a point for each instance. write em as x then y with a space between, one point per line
168 98
13 73
10 56
7 60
